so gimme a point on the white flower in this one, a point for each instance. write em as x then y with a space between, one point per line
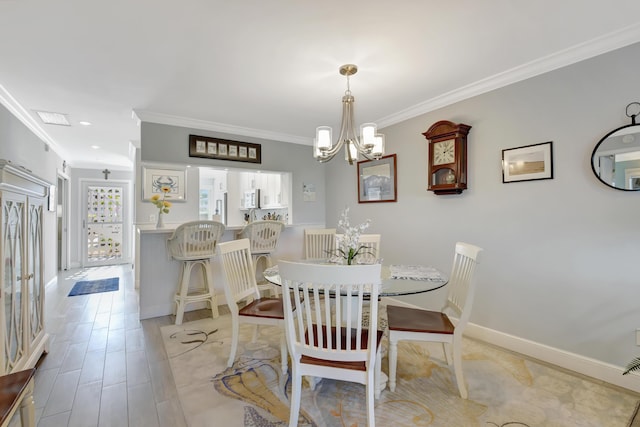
349 243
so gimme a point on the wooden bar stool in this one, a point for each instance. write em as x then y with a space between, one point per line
194 243
16 390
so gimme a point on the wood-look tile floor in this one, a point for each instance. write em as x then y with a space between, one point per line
105 367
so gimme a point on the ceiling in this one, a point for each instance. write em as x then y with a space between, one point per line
269 69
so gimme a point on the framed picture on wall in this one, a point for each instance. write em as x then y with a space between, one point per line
223 149
527 163
154 179
377 180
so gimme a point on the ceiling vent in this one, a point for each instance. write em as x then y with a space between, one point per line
53 118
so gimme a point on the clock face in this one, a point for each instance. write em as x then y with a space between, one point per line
444 152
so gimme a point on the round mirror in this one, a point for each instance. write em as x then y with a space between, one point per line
616 159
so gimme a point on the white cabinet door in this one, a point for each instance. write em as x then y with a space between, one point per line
13 250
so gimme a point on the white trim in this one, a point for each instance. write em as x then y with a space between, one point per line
185 122
614 40
592 368
23 115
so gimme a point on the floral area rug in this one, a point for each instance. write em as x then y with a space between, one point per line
505 390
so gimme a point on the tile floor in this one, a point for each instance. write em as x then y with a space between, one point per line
105 367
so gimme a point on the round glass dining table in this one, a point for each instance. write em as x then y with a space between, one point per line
396 279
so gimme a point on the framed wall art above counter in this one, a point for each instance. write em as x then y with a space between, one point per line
224 149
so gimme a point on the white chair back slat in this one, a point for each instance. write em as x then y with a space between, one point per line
319 244
238 267
460 296
321 285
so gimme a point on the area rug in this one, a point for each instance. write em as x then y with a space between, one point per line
505 390
94 286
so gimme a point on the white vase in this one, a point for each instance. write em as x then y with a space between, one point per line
160 223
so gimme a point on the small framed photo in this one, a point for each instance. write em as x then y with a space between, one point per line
242 152
201 146
528 163
252 153
377 180
233 151
154 179
222 149
212 148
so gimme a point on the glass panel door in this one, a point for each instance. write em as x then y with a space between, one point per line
104 224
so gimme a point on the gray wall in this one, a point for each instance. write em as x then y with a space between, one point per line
164 144
560 265
23 148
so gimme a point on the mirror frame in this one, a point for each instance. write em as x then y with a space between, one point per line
593 154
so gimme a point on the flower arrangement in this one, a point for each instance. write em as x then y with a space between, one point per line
162 204
349 244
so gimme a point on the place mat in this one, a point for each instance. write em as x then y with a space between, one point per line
415 272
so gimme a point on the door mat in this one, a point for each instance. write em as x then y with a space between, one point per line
94 286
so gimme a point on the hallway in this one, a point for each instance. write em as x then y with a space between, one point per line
104 367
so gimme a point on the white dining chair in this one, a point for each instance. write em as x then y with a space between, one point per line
435 326
370 248
264 236
319 243
243 297
194 244
324 340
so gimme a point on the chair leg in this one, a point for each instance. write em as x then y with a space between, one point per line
213 301
393 362
284 354
235 331
296 392
28 407
183 292
377 378
371 388
457 367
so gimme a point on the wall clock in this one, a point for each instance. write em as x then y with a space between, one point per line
447 172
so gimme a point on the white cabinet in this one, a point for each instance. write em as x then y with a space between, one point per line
22 334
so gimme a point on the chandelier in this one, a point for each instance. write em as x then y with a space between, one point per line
369 144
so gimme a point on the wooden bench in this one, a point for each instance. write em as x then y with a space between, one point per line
16 390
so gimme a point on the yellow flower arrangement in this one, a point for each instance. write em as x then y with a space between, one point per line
162 204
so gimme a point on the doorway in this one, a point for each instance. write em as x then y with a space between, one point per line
105 223
62 220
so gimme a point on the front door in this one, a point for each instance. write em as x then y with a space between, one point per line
104 223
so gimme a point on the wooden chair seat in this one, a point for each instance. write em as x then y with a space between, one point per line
17 389
264 307
413 320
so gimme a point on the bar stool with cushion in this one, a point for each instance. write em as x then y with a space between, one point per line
194 243
16 391
263 236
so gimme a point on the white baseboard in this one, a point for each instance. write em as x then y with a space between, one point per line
592 368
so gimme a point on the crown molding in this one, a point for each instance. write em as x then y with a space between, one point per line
589 49
14 107
185 122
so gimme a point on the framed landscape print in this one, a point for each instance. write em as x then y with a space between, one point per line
527 163
222 149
